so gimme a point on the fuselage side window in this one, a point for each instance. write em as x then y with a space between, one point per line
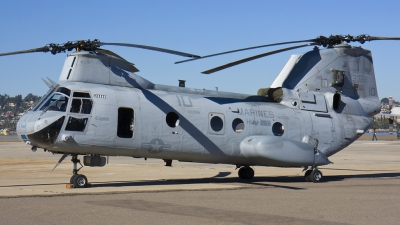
126 123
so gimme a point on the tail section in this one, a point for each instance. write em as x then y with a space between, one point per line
361 70
338 72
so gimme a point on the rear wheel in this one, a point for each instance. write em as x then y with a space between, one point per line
241 173
249 173
246 172
307 175
316 176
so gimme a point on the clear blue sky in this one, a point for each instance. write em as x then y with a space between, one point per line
198 27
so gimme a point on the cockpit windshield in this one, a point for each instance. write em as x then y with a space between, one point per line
64 90
58 102
46 96
54 100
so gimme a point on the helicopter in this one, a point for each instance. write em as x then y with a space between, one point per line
319 104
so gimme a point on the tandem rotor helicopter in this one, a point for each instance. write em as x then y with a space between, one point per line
320 103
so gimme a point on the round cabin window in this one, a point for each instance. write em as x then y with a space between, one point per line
172 119
278 129
216 123
238 125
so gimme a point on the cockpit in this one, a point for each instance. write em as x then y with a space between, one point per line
59 109
58 101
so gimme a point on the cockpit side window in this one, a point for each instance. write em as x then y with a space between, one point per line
76 105
81 95
81 103
86 106
76 124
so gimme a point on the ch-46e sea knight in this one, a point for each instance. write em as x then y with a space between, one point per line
320 103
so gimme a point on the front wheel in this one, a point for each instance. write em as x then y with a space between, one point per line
80 181
71 181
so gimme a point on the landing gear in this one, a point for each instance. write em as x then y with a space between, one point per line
246 172
77 180
313 175
168 162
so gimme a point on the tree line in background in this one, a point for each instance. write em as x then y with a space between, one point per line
386 101
12 107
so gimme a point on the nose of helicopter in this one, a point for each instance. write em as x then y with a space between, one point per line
40 130
26 125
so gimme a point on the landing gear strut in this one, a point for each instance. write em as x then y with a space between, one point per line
313 175
245 172
77 180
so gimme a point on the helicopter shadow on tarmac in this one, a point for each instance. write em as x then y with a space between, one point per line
256 181
220 178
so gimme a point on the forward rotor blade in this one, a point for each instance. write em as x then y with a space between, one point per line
372 38
244 49
42 49
151 48
253 58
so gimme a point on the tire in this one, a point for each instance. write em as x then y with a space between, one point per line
80 181
241 173
249 173
307 175
71 181
316 176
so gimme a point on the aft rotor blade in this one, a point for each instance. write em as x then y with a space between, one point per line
253 58
244 49
42 49
151 48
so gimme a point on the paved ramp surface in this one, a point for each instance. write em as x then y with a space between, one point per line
361 187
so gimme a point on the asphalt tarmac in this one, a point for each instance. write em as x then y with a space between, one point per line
361 187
